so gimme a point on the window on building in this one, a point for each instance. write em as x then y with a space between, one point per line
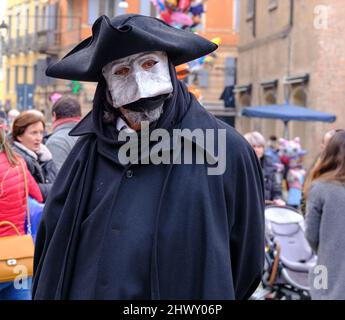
40 79
93 11
70 13
243 94
34 75
52 16
43 19
236 15
17 25
37 13
269 90
25 76
250 9
272 4
230 71
299 95
8 80
270 96
109 8
16 74
9 26
245 99
251 15
295 89
26 25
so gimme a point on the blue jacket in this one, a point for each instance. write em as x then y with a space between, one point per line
151 232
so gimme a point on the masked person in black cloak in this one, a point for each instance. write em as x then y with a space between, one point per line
144 231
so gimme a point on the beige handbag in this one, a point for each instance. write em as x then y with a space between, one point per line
17 252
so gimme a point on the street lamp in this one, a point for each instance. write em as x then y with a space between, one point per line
3 25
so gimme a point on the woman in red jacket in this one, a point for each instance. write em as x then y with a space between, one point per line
13 206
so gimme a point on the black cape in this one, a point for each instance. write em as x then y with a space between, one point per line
151 232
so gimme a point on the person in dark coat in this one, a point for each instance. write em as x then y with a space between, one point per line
112 230
273 186
27 135
273 189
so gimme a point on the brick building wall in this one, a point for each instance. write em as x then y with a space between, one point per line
297 46
219 22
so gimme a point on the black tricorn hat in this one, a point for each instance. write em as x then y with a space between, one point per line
125 35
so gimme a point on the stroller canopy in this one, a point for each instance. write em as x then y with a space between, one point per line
282 215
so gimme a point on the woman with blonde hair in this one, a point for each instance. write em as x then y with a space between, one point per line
13 205
27 134
325 219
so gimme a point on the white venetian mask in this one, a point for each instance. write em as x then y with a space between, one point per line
142 75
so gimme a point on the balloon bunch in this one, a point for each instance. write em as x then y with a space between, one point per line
187 14
180 13
205 61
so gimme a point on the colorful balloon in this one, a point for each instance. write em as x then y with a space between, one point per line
181 19
171 3
201 60
55 97
161 5
217 40
197 9
209 59
183 5
165 15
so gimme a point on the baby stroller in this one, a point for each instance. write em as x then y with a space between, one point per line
288 256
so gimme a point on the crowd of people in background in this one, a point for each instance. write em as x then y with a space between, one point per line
30 158
319 192
284 172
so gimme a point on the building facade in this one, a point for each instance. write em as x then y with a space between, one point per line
38 31
220 20
290 51
42 31
21 55
87 11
